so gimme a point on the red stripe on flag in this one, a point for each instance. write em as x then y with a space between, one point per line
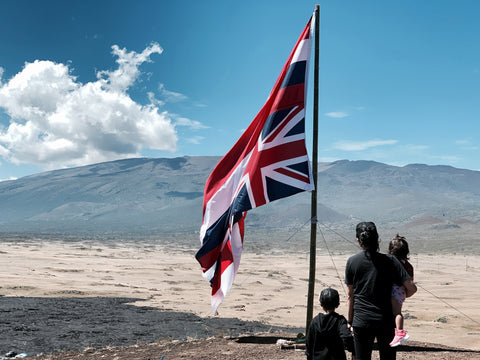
289 97
226 260
207 260
292 174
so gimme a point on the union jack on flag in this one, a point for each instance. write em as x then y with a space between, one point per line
267 163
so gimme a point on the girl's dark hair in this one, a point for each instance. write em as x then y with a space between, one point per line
398 247
329 299
368 236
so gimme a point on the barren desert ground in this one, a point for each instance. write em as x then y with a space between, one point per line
72 295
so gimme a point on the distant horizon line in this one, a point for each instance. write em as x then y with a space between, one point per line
220 156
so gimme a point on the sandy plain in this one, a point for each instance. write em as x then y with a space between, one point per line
75 295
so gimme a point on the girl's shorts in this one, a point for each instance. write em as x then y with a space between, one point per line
399 293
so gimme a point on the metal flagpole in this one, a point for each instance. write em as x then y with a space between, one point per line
313 227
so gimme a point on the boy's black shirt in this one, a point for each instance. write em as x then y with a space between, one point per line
328 337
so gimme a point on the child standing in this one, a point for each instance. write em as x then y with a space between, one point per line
398 247
328 335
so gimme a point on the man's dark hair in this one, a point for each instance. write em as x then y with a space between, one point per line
329 299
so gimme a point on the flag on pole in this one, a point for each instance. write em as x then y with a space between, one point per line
267 163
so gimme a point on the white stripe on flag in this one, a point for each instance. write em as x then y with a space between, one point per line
223 198
303 51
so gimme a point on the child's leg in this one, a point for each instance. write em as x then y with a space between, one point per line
398 297
397 313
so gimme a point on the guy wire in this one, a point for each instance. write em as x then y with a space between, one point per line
419 285
333 262
271 253
446 303
284 243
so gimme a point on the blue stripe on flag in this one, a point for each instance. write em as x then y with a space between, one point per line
273 120
301 167
299 128
214 235
277 190
242 201
295 74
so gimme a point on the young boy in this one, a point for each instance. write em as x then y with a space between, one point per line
328 335
398 247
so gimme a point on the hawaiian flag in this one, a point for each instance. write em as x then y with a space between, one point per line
267 163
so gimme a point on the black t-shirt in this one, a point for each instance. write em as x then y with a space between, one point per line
372 276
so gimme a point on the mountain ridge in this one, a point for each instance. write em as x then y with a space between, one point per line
164 196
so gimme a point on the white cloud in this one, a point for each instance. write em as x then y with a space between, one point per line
153 100
361 145
170 96
11 178
166 96
197 140
328 159
414 148
337 114
3 152
56 121
466 144
182 121
128 62
448 159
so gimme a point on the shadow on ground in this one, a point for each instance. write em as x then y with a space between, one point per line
434 348
48 325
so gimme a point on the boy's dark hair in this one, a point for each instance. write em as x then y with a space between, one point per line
398 247
329 299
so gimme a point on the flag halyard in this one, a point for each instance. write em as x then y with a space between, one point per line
267 163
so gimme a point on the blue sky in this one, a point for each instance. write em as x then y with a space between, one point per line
91 81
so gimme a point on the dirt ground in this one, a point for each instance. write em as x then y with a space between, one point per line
62 301
260 347
96 328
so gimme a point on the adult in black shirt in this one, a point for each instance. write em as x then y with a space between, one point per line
369 276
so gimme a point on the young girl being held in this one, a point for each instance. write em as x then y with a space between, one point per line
398 247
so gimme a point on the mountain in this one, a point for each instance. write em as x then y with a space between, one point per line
399 194
133 195
164 196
